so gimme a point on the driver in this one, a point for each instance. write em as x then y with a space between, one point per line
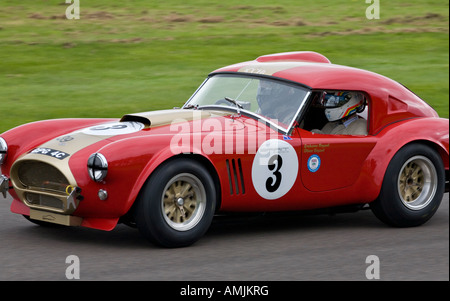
340 110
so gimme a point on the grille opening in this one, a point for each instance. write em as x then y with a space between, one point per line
41 176
44 200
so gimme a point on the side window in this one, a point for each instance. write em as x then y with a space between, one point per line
337 113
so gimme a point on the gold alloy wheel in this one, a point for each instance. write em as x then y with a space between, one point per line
417 182
183 202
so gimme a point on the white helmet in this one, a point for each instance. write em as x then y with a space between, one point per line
339 105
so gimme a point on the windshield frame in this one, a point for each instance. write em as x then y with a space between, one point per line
235 109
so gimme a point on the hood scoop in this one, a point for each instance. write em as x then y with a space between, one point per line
165 117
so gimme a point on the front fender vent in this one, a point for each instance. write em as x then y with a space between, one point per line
235 176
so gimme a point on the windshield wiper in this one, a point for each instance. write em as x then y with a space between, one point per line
191 106
238 105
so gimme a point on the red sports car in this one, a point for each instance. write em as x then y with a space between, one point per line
287 131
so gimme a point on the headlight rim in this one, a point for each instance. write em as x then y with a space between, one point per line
3 150
97 166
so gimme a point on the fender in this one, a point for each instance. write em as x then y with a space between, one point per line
126 175
156 160
23 138
433 131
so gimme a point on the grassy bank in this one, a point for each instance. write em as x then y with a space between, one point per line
131 56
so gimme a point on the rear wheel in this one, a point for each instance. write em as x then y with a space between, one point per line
176 205
413 187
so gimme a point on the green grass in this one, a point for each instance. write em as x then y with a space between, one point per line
132 56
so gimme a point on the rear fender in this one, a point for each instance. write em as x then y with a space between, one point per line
430 131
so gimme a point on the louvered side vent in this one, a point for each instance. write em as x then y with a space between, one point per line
235 176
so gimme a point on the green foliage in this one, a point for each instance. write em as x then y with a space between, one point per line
132 56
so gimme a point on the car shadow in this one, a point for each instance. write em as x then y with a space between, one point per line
222 226
235 224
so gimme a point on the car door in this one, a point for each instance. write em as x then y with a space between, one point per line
330 162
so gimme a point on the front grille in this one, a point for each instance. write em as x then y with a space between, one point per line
41 176
44 200
41 185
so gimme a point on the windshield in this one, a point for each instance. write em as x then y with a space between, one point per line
274 100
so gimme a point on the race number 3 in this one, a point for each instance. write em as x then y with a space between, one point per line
273 183
274 169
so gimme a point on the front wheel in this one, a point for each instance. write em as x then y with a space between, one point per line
176 205
413 187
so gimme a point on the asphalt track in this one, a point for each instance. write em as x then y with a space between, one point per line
255 248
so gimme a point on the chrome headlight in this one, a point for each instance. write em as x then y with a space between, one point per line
3 150
97 167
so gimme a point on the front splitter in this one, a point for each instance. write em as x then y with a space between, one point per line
55 218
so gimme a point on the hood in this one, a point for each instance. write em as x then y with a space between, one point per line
42 177
64 146
166 117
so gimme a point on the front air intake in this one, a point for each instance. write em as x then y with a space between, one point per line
42 186
41 176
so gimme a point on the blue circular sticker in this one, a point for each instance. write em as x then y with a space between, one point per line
314 163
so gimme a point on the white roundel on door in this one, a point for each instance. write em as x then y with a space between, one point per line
274 169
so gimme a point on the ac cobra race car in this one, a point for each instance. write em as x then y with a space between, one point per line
287 131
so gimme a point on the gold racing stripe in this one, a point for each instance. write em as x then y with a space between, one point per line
270 68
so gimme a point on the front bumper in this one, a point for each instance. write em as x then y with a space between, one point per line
43 213
55 218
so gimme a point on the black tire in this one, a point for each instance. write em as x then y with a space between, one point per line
412 188
176 205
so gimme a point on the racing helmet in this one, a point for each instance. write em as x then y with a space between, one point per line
339 105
